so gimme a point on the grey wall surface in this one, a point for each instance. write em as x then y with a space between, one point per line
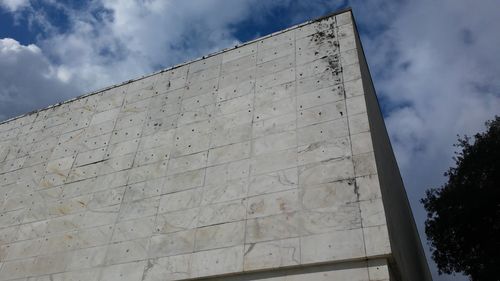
408 254
253 163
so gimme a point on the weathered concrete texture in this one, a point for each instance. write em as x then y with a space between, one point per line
256 159
407 258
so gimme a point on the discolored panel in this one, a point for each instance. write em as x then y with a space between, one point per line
257 158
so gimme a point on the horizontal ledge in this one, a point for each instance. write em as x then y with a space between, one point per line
266 273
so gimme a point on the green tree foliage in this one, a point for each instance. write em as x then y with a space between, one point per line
463 215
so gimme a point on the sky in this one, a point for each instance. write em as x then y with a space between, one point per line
435 64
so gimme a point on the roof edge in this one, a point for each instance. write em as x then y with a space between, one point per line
338 12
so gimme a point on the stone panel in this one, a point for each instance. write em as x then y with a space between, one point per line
258 158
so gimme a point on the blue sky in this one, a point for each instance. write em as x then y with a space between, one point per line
435 64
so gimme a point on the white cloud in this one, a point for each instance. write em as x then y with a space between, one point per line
109 41
14 5
25 69
440 64
112 41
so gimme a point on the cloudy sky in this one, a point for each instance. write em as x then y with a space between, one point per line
435 64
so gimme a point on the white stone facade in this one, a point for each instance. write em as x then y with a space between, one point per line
255 159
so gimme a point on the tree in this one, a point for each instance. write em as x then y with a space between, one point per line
463 215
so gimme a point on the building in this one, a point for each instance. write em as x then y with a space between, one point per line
267 161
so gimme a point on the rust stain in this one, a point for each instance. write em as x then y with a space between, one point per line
282 205
256 207
88 107
63 210
59 173
45 183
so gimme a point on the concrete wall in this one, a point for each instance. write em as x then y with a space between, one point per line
408 258
374 269
255 159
